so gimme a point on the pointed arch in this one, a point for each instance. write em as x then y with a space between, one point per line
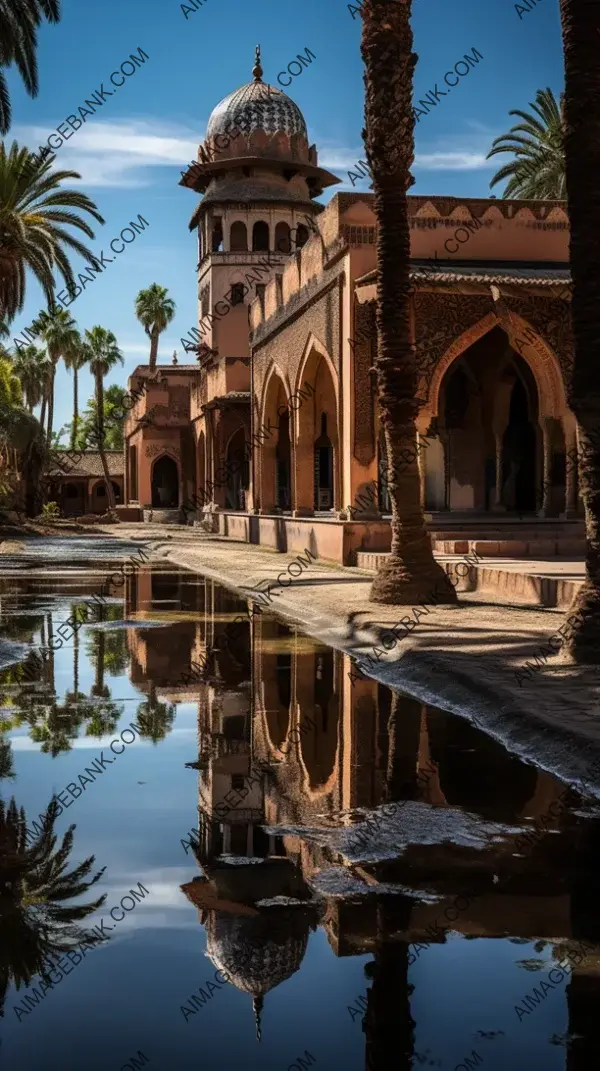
526 341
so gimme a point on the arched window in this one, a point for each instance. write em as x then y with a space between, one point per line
260 237
283 242
301 236
238 237
217 235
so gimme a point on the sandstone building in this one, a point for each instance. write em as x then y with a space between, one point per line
272 435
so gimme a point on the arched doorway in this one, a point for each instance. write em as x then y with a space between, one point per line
165 483
486 452
316 476
283 464
238 471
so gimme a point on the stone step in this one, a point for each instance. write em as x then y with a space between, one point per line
512 583
562 547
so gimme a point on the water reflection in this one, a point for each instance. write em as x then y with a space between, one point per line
36 920
291 755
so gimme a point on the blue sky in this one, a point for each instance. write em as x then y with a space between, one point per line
131 152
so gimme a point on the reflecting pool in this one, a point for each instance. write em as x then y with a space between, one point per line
224 854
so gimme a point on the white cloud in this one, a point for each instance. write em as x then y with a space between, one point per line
116 153
452 161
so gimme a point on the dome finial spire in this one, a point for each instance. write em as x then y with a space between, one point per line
257 1004
257 70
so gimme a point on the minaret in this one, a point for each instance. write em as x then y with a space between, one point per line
258 177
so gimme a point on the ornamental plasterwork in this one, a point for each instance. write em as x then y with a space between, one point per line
440 319
551 319
153 449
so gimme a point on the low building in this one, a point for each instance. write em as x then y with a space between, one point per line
79 488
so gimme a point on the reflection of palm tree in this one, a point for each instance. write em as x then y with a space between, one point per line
6 760
34 885
104 717
155 719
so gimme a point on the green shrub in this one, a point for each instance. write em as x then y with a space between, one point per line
50 510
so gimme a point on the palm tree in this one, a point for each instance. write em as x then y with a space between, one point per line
582 124
58 330
102 354
75 358
19 20
538 145
33 207
21 432
32 367
155 311
35 921
410 574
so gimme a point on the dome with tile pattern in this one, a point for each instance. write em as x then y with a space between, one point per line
257 106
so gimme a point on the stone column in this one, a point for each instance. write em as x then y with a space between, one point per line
498 506
303 483
544 494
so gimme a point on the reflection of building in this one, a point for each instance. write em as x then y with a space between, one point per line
365 745
79 488
335 748
492 329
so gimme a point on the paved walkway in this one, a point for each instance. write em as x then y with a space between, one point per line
462 658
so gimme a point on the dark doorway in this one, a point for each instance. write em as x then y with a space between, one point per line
519 454
283 463
323 469
238 471
165 484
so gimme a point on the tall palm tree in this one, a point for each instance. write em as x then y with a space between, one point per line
35 884
57 329
19 20
155 311
538 145
31 366
75 359
410 574
582 141
33 207
102 354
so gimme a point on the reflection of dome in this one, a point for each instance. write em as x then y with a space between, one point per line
257 106
260 952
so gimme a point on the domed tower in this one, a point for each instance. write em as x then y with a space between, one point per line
258 176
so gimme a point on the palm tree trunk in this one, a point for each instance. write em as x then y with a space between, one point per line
582 144
411 574
51 405
75 423
100 656
75 655
100 415
43 409
153 349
